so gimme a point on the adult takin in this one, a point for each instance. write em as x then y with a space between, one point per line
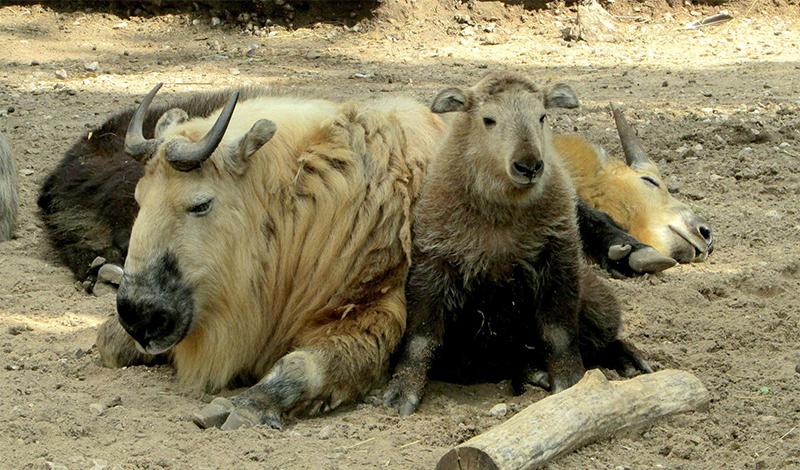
9 191
271 245
634 194
498 285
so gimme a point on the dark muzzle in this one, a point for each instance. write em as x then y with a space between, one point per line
154 306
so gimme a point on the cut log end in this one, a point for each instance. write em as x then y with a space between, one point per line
466 458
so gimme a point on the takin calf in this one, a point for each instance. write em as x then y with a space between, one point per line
498 285
635 196
9 197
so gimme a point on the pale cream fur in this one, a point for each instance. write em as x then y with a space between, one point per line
286 254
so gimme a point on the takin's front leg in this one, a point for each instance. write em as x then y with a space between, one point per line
613 248
558 289
428 288
118 349
337 362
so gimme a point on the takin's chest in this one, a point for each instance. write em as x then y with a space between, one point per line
493 333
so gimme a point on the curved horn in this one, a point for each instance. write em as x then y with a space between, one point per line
186 156
135 144
631 144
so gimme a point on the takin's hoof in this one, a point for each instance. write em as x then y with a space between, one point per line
399 396
648 260
228 415
617 252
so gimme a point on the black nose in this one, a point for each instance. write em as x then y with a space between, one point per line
143 322
528 169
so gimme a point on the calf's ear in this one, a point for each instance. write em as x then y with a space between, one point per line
258 135
450 100
561 95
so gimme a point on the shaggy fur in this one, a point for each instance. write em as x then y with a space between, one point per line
637 199
298 270
498 284
9 198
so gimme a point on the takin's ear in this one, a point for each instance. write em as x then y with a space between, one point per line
450 100
560 95
171 118
258 135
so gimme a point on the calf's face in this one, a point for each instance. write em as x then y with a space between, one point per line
508 143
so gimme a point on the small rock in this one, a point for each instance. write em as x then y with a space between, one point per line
783 145
234 71
327 431
13 367
493 39
18 329
195 22
116 401
252 51
62 74
97 263
362 75
468 31
313 55
215 21
91 66
120 25
79 353
664 84
97 408
101 289
499 410
35 62
26 172
110 273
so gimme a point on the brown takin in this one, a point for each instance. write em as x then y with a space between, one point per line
9 197
634 194
498 285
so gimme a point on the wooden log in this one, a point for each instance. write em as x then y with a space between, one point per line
592 409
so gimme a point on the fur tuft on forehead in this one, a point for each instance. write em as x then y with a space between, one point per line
496 83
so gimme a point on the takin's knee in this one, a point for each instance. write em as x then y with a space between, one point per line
117 348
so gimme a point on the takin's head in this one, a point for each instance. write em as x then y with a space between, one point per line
503 135
638 199
189 203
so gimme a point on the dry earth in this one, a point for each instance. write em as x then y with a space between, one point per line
720 108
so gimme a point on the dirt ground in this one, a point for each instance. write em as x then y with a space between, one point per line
719 108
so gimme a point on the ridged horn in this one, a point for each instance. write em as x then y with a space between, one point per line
186 156
135 144
631 144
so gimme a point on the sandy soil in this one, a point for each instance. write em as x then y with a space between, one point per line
719 108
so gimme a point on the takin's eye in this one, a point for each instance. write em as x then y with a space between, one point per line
651 181
542 118
202 208
489 121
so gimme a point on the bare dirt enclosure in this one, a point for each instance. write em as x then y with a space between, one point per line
719 108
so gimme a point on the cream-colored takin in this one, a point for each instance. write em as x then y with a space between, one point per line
635 195
272 248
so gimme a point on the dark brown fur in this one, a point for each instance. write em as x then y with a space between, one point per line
498 284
